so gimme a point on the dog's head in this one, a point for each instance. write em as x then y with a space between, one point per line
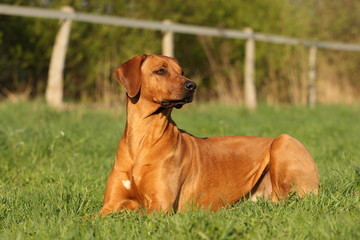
158 79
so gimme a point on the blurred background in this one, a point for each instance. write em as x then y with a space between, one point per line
216 64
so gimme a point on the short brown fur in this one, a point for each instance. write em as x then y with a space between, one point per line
159 167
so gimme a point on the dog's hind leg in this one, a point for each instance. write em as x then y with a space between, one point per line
291 168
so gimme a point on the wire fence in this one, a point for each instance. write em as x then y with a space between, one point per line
67 14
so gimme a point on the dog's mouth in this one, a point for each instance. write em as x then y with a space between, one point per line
176 103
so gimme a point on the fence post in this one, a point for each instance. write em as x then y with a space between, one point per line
54 88
168 41
312 77
249 78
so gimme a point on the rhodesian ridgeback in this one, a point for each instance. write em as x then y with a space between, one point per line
159 167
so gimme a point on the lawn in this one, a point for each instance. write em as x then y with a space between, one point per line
54 164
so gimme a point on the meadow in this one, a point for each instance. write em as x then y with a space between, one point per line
54 164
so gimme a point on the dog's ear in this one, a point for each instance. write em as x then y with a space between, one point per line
129 75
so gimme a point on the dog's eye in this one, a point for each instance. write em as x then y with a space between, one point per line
161 71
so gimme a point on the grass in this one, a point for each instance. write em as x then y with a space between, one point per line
53 168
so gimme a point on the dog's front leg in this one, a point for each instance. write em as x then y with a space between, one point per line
158 206
157 196
118 193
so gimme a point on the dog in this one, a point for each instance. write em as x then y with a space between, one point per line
159 167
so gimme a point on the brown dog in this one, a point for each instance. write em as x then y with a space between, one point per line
159 167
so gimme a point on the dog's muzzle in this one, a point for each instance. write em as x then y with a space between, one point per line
177 103
189 87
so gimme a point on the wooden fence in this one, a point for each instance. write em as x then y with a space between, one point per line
67 15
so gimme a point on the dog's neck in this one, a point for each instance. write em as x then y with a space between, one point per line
148 124
142 112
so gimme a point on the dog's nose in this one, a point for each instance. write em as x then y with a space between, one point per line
190 86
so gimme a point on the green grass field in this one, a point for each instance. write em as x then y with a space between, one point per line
53 168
